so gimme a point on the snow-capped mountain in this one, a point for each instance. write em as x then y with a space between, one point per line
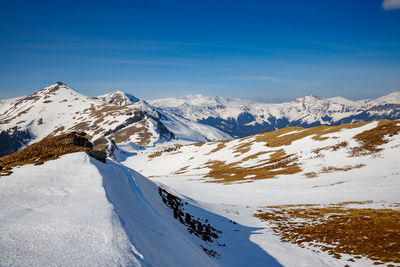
182 128
58 108
119 98
240 117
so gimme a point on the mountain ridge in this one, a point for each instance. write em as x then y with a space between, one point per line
59 108
241 117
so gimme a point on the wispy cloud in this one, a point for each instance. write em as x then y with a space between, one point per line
391 4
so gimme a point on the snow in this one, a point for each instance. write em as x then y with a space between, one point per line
63 220
91 214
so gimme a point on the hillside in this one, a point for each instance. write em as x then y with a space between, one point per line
240 117
289 181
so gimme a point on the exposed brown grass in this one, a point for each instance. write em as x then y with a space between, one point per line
360 232
138 129
182 170
311 174
58 130
330 169
221 145
156 154
371 139
340 182
277 164
291 134
47 149
273 139
197 144
331 148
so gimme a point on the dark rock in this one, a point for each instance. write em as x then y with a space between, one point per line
99 155
12 139
82 141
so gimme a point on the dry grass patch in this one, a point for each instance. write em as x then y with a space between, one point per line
197 144
340 182
286 136
139 129
371 139
274 139
311 174
360 232
330 169
47 149
278 164
174 149
221 145
331 148
155 154
182 170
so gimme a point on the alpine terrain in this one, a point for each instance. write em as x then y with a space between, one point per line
114 180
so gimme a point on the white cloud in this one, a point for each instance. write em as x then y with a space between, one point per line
391 4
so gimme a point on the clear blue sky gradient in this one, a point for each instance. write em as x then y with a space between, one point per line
264 50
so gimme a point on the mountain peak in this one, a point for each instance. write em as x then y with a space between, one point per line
309 98
58 88
119 98
392 98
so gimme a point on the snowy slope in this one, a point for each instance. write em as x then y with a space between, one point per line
291 166
241 117
91 214
96 214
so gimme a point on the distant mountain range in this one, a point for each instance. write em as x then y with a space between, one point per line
241 118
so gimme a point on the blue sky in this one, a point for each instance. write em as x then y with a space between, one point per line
264 50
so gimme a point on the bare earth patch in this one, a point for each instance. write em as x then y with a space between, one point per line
337 229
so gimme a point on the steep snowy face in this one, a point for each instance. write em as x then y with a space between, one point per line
119 98
243 117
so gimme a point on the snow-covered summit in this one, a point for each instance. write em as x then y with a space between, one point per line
119 98
392 98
